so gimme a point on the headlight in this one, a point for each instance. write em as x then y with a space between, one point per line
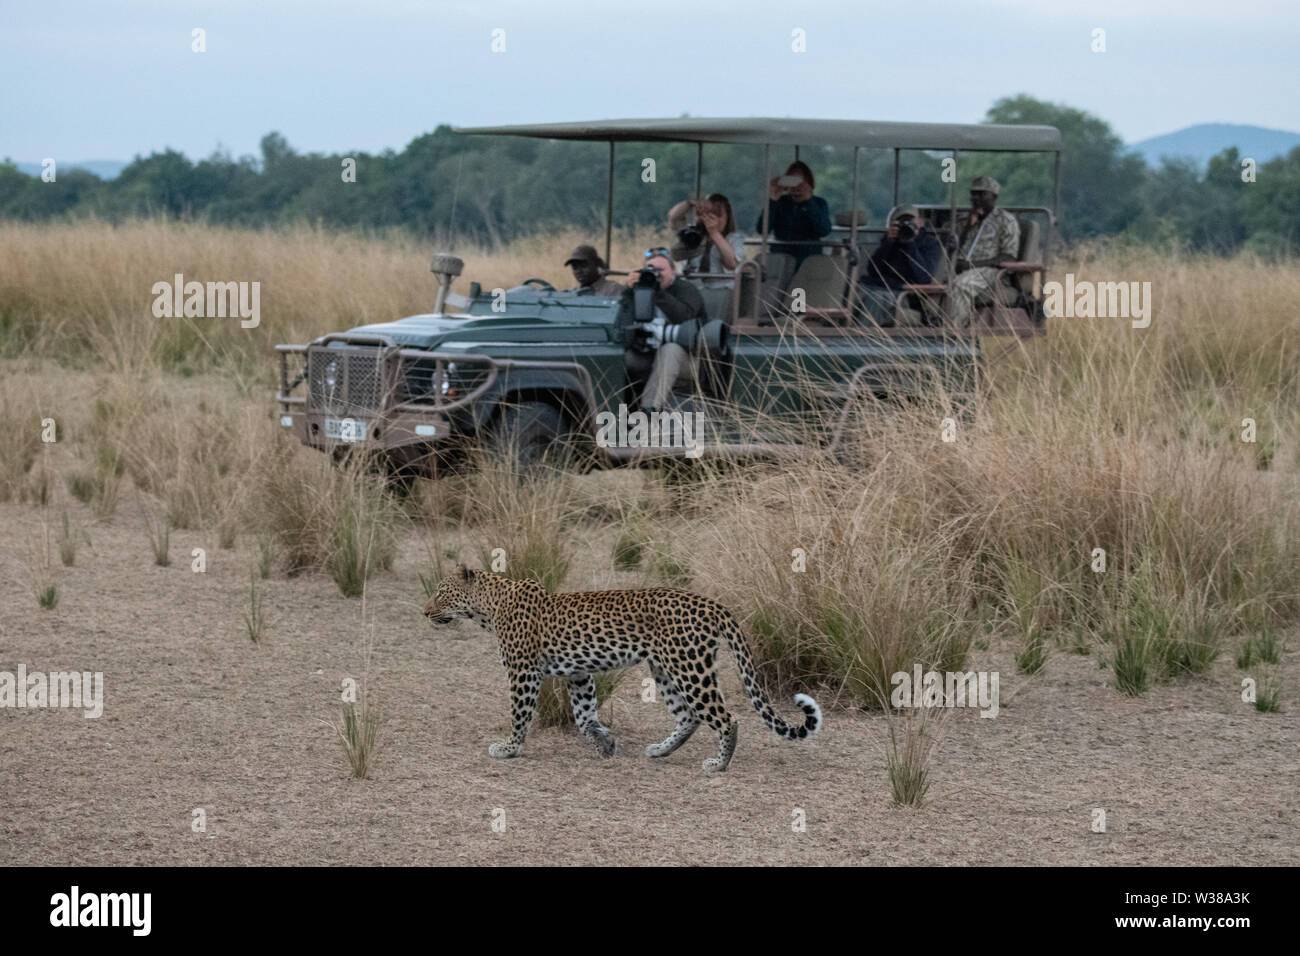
445 386
331 375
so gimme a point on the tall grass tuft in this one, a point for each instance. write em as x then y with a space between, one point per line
1268 694
633 541
158 527
521 519
338 519
255 616
362 541
913 737
358 730
70 538
39 570
20 437
1265 648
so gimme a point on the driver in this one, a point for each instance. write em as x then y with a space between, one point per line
679 301
589 271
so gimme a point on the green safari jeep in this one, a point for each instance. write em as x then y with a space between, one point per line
531 369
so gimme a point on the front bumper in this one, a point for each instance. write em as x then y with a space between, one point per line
384 431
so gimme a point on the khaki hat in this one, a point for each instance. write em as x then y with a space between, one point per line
907 209
987 183
585 254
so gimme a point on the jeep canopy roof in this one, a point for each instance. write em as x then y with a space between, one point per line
761 131
768 132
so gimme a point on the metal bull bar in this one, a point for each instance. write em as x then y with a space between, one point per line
374 383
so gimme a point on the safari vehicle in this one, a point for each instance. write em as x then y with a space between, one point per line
532 368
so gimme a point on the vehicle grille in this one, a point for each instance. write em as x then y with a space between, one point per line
345 381
423 381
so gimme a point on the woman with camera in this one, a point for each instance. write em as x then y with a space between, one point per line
794 214
707 238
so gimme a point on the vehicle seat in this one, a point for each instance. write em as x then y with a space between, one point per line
716 302
825 281
924 305
778 268
1021 284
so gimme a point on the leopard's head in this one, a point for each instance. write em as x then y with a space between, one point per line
459 594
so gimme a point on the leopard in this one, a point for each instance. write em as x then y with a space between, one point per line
576 634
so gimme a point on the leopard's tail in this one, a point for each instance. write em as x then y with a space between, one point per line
812 713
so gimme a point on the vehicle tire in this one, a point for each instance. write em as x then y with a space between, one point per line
532 434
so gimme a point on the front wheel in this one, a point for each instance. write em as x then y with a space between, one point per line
532 435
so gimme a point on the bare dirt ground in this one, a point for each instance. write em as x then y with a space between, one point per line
198 717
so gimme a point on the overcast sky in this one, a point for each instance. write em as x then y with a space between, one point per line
107 79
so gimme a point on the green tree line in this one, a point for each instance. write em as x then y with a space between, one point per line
493 189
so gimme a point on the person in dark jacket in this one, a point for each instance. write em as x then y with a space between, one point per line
679 301
909 254
794 214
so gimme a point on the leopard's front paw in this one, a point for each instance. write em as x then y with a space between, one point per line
503 751
604 742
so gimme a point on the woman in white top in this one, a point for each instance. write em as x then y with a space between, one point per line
722 246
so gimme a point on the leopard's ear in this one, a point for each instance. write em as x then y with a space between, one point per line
465 573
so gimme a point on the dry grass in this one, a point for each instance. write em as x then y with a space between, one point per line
341 520
914 736
80 293
901 548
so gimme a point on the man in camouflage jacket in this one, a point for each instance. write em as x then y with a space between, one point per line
989 236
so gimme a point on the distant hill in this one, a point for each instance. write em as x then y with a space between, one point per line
103 168
1198 143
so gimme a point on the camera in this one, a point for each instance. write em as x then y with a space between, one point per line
693 233
647 277
643 293
690 237
908 229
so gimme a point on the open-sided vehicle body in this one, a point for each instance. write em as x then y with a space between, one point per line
539 364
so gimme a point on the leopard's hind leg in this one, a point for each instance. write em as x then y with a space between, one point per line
681 711
698 683
582 697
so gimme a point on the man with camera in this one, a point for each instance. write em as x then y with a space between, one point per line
909 254
680 302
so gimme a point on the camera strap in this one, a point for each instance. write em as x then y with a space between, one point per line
706 246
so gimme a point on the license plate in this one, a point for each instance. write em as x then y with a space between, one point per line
345 429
